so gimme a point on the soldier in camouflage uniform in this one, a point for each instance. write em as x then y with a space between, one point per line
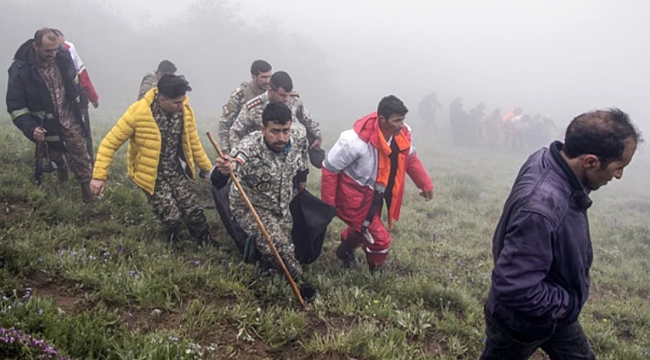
280 90
150 80
163 148
266 163
260 76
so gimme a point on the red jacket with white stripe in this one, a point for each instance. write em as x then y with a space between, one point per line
84 79
350 170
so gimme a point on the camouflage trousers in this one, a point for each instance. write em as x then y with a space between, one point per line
76 154
173 201
279 229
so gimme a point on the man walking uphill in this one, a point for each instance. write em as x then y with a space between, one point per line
260 78
44 100
365 168
150 80
266 163
163 148
542 248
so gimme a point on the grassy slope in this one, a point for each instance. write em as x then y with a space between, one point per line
98 273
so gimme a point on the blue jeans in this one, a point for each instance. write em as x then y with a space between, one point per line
564 343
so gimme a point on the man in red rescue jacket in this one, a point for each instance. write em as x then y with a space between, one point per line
365 168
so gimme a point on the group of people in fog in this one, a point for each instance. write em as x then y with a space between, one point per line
541 247
478 127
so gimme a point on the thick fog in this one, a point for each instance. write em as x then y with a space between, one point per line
548 57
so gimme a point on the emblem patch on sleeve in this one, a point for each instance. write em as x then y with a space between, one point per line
241 159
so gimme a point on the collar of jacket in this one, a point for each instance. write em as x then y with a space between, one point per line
150 97
578 190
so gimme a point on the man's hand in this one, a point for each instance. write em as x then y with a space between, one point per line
39 134
225 164
95 103
97 187
316 143
427 195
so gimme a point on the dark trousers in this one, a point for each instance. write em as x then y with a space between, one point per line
565 343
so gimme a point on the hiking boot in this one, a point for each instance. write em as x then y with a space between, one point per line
172 235
207 239
62 172
375 268
346 255
88 196
308 292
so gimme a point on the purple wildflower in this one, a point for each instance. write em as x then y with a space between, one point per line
14 341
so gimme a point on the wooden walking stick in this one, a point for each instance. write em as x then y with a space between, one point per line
261 225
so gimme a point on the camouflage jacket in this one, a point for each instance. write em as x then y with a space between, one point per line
250 118
266 176
149 81
243 94
171 128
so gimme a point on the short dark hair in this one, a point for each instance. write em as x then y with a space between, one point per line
173 86
166 67
281 79
391 105
260 66
40 33
276 112
602 133
58 32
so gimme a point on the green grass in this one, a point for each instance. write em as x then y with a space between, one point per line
105 286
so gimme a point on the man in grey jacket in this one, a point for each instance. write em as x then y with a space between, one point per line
542 248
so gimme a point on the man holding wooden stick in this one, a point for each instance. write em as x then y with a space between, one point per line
266 162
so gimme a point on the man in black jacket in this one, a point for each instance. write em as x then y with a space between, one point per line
43 99
542 248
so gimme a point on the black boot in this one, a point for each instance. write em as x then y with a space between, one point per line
308 292
374 268
207 239
172 235
346 254
62 171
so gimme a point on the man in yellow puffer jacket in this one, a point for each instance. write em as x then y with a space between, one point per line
163 149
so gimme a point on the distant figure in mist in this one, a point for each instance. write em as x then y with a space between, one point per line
541 247
491 125
260 78
474 131
150 80
366 168
508 129
427 110
458 119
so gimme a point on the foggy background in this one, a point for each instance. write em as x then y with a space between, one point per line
549 57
